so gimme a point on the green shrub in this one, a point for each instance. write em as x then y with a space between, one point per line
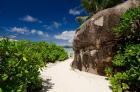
54 53
128 22
126 62
109 71
129 60
19 66
20 62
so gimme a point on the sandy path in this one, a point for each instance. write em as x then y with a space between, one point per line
60 77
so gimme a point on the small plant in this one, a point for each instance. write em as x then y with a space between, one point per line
109 71
81 19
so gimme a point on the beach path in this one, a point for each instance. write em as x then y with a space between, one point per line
60 77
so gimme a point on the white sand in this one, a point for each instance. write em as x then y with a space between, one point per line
60 77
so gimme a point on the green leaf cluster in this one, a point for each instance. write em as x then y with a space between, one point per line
109 71
93 6
126 62
128 22
20 62
81 19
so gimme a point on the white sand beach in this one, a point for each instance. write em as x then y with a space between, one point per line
60 77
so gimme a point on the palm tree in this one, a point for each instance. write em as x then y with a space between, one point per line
93 6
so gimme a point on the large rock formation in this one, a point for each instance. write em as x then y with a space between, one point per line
95 43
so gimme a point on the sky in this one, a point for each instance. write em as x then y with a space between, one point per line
40 20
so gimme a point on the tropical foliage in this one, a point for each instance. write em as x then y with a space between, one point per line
20 62
93 6
82 19
129 22
126 62
128 59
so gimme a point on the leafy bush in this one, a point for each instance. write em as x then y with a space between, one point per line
128 22
20 62
129 60
108 71
126 62
52 52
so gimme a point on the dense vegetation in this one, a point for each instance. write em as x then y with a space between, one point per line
20 62
126 62
93 6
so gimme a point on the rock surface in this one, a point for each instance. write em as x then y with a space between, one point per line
95 43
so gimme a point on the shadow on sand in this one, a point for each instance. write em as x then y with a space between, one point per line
109 85
47 85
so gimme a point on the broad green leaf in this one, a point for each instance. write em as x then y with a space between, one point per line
7 53
125 86
4 77
24 58
0 90
26 71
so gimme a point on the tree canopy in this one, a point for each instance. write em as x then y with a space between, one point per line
93 6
